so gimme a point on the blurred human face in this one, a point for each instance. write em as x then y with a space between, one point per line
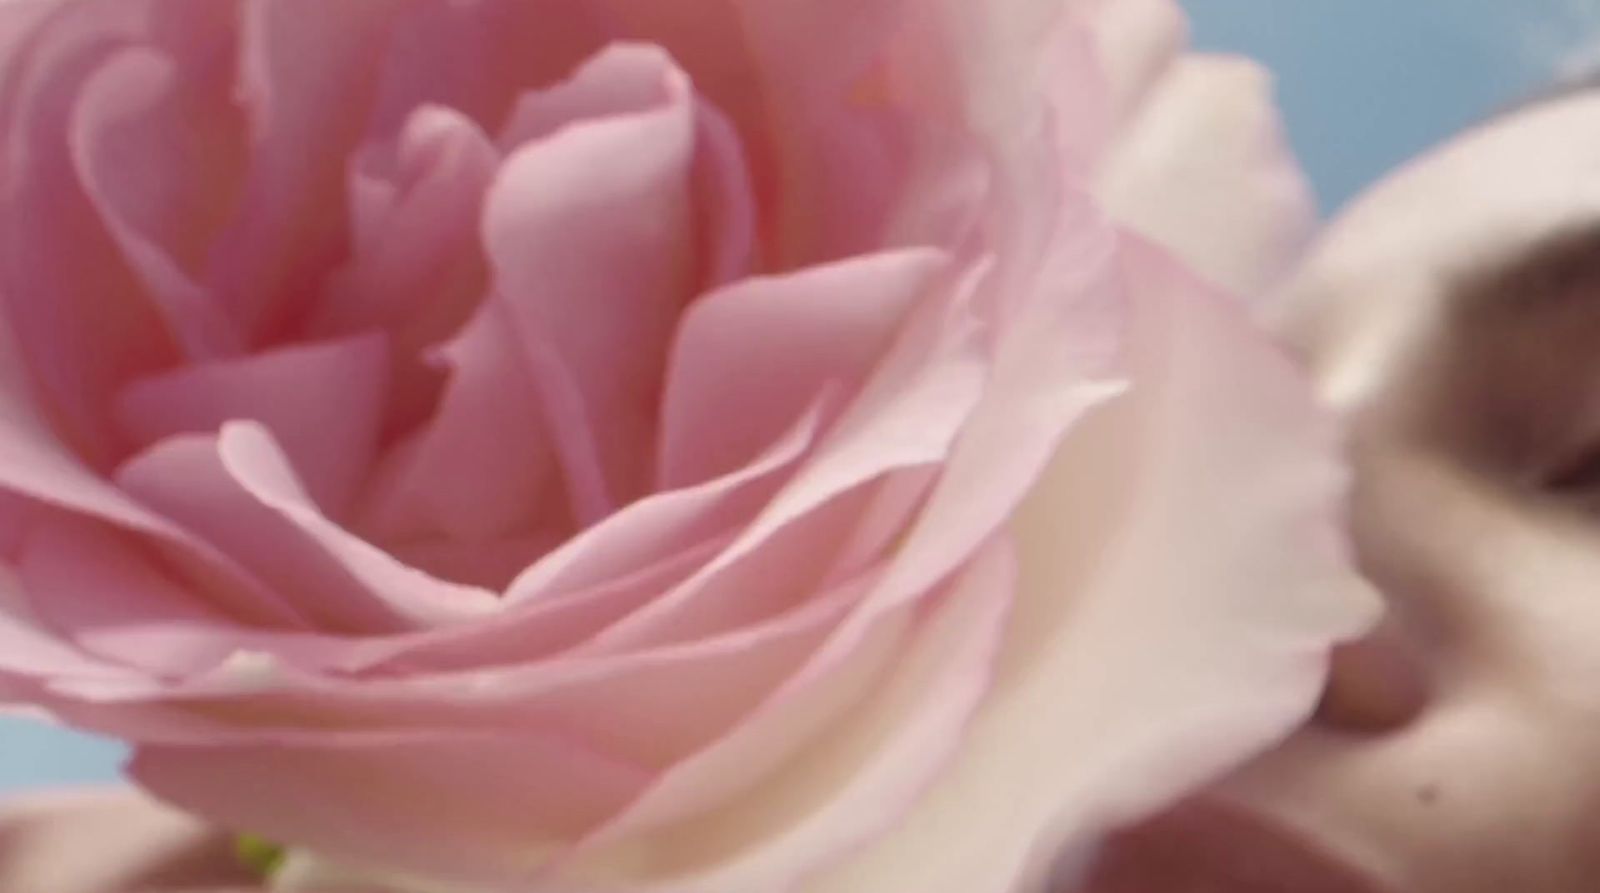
1453 316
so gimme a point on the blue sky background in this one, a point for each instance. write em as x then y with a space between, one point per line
1367 83
1364 85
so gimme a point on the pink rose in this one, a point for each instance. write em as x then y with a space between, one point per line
691 445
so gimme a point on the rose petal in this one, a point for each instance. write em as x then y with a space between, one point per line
859 777
66 567
725 210
1205 170
538 628
649 706
748 584
908 416
240 490
826 165
748 359
659 526
96 328
34 463
482 466
1242 609
303 80
915 404
364 802
416 270
1136 42
323 402
253 459
111 841
139 112
588 237
30 651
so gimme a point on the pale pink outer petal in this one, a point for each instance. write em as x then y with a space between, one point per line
1136 42
1181 583
110 841
1205 169
856 780
456 804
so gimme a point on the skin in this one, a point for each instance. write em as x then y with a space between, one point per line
1452 316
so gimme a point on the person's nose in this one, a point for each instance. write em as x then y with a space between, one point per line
1487 583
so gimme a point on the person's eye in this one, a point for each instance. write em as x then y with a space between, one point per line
1512 383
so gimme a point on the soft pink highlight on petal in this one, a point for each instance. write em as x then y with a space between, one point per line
1102 586
67 567
586 231
130 107
482 466
1205 170
658 526
908 416
417 270
253 459
286 542
869 768
96 327
1136 43
322 402
30 650
299 79
749 358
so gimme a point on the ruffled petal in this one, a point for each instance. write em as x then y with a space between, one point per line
854 780
750 358
483 466
910 415
66 567
242 493
478 58
1158 641
589 237
1205 170
304 81
322 402
1136 42
257 464
80 318
140 111
416 269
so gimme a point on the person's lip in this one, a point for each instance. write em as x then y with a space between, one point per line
1210 846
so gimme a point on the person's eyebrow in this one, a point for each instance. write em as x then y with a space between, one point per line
1518 353
1546 277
